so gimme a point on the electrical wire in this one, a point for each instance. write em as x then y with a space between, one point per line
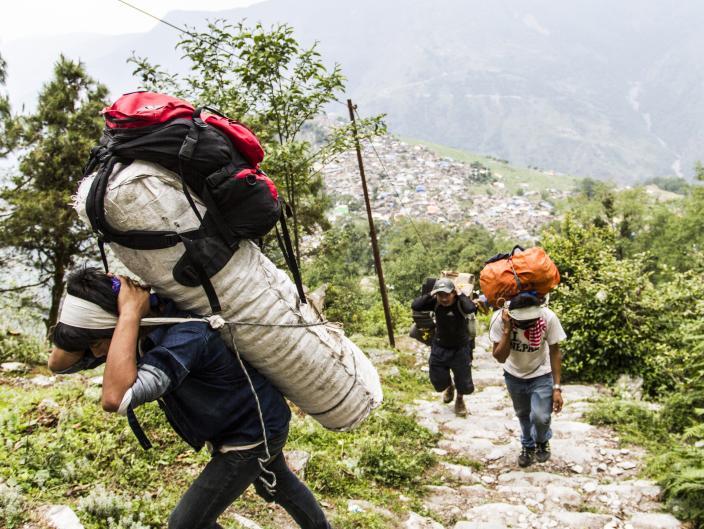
199 37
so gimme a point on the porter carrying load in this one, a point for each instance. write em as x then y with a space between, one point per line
505 275
184 225
423 327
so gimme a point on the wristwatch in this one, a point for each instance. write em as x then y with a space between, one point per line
557 387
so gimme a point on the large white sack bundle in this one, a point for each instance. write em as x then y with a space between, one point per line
316 367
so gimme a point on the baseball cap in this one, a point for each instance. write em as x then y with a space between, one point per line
444 284
524 307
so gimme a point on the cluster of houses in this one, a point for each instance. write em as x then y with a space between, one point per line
411 181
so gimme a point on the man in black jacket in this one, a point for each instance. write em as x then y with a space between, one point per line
452 346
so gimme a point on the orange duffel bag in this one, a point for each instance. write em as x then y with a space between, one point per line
505 275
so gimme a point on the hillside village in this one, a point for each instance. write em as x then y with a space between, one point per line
411 181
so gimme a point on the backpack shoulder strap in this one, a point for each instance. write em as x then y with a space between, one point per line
459 308
137 429
95 209
284 240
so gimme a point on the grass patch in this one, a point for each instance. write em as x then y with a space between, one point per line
59 444
361 520
634 422
389 451
457 459
675 461
16 347
60 447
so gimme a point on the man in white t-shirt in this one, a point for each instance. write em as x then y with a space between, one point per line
526 340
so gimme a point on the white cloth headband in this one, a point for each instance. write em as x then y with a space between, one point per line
78 312
84 314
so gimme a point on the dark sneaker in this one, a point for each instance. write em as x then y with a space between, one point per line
449 394
460 407
542 454
527 456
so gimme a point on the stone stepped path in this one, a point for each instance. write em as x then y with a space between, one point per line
589 483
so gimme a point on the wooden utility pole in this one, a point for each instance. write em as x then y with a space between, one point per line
372 231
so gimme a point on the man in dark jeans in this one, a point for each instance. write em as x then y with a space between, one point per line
452 347
527 340
210 397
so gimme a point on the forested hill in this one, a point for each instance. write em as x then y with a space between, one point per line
598 88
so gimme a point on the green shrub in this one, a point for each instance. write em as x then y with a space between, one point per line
676 461
15 347
397 451
610 309
680 410
373 321
329 475
346 303
680 471
102 503
360 520
384 464
11 506
684 404
390 449
634 421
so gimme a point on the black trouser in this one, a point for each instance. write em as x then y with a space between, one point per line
227 476
458 360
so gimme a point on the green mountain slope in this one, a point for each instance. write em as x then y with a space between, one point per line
512 176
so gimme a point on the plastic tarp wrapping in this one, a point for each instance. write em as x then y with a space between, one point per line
317 367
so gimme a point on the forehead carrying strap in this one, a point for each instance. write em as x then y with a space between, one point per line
84 314
78 312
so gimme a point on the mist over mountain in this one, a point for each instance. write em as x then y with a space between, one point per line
592 88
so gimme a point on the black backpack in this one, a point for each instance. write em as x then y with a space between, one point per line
423 327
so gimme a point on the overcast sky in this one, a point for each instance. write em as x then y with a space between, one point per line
29 18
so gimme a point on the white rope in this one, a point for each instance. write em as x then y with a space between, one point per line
78 312
269 485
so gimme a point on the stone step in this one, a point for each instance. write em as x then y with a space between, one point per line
581 520
500 513
480 525
654 521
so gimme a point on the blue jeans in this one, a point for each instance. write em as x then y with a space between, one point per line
227 476
532 402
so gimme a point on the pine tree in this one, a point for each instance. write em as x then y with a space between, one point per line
52 145
5 140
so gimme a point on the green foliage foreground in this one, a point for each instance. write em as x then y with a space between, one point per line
632 302
676 461
59 447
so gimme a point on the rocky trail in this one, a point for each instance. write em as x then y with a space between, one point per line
590 482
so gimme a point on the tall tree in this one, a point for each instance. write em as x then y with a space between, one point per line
5 135
53 145
265 78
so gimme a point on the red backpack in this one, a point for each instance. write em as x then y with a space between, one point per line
215 157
